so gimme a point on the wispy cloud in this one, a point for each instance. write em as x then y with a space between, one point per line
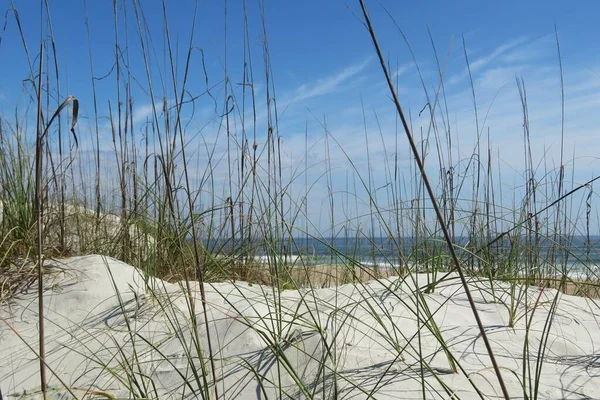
329 84
402 69
344 79
534 50
486 60
141 113
495 78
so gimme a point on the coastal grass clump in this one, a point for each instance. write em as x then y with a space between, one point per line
198 209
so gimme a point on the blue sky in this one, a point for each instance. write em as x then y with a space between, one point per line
324 68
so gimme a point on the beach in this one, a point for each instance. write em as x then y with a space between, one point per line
299 200
108 334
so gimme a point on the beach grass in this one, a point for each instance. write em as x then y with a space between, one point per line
209 249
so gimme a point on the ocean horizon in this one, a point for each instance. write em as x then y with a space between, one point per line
574 254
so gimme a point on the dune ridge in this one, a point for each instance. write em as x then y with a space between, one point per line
104 323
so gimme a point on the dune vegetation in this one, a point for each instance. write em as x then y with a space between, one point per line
179 255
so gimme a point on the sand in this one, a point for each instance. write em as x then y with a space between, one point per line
315 276
89 345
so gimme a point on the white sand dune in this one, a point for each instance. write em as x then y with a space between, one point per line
98 340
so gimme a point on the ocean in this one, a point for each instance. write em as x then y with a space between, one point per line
575 255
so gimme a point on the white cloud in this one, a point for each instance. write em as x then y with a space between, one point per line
402 69
481 62
329 84
535 50
142 113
